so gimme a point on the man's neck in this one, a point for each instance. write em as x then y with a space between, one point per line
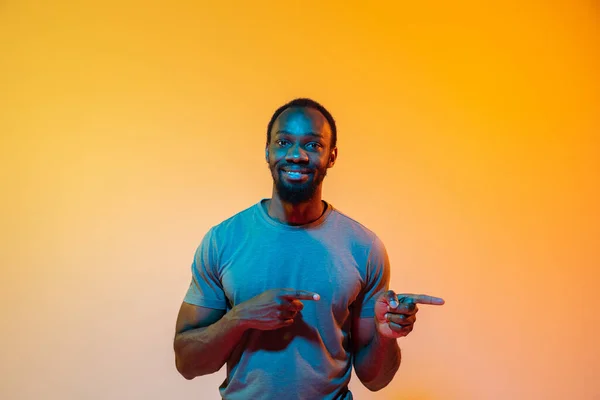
295 214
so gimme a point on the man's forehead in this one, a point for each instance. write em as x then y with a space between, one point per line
302 120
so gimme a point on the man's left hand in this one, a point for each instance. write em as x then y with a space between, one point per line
395 315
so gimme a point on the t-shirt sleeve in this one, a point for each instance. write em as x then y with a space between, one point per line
377 279
205 289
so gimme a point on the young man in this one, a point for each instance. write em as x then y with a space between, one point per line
291 293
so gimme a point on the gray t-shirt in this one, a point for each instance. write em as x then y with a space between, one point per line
334 256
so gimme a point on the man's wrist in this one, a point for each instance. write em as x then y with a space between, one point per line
234 322
382 339
379 336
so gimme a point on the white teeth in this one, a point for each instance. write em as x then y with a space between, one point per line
294 174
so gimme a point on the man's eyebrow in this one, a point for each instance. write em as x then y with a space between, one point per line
282 132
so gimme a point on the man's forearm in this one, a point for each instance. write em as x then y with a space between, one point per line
205 350
377 363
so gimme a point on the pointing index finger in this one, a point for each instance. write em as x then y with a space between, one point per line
422 299
300 295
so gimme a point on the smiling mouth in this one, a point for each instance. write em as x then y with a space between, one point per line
296 175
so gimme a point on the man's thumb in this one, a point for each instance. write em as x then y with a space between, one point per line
391 298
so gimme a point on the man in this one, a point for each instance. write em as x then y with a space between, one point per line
291 293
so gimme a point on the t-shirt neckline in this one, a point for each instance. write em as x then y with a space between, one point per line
265 217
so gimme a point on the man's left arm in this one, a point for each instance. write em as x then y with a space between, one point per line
379 318
376 358
377 354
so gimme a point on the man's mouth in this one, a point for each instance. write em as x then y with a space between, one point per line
296 175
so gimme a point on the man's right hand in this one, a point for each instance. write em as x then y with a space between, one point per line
273 309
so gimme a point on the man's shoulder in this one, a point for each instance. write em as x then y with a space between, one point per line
344 223
240 218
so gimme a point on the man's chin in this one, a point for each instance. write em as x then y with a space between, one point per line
296 195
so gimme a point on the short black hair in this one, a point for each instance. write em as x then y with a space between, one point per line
304 102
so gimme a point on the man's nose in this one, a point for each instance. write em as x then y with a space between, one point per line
296 154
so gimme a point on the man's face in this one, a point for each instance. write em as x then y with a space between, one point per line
299 153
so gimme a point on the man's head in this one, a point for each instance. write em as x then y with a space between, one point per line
305 103
301 146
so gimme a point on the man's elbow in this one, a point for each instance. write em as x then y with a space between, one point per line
183 369
188 366
376 385
181 363
187 376
375 381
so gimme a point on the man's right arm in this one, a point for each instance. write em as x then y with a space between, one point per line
204 339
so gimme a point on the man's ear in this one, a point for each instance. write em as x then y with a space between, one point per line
267 154
332 157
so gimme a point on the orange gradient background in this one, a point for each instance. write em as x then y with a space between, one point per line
468 140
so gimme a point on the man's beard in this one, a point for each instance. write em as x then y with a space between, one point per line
296 193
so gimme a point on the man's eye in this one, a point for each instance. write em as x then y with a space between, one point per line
281 143
313 145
